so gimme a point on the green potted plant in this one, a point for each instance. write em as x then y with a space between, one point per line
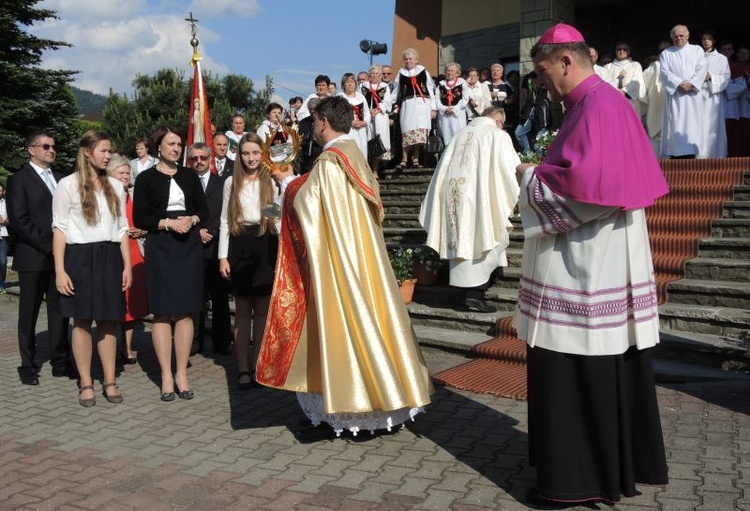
402 262
426 265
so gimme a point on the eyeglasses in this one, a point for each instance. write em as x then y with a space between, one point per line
199 158
622 49
46 147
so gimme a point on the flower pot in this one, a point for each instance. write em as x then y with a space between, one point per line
424 276
407 290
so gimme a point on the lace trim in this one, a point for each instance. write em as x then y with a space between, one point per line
354 422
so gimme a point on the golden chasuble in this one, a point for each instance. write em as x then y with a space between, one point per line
337 324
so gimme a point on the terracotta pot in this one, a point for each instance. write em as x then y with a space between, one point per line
424 276
407 290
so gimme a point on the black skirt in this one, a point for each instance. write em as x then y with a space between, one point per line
594 428
252 262
174 272
96 272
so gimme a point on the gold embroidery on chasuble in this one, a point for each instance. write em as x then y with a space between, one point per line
286 313
455 193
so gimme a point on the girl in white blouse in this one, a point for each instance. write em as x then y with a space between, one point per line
92 260
248 242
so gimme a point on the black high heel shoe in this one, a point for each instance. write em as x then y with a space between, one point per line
185 394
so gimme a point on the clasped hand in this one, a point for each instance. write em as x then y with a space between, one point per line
181 224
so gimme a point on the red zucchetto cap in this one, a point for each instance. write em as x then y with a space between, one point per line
561 34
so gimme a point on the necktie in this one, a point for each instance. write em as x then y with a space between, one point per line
47 176
219 166
204 182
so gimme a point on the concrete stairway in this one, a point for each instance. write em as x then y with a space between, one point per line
705 320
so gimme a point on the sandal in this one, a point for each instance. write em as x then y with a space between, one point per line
117 398
404 164
244 385
90 401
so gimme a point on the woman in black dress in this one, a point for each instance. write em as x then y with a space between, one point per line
248 242
168 202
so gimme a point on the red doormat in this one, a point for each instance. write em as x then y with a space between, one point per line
676 223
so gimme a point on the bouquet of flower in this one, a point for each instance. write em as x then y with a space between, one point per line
542 142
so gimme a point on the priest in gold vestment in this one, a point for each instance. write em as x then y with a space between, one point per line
338 332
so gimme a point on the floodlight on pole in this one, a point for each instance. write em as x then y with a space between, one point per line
372 48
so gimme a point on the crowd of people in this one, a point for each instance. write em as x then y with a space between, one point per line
317 303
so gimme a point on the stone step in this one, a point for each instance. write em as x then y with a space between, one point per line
710 293
402 207
679 356
730 248
449 339
393 175
720 321
407 195
408 221
728 354
737 209
445 296
403 235
742 192
706 268
453 321
730 228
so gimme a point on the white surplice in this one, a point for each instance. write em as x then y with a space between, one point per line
714 139
632 80
572 297
654 115
480 93
683 111
469 201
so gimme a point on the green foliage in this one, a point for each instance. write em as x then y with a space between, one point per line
427 257
89 102
164 99
542 142
4 173
32 98
402 262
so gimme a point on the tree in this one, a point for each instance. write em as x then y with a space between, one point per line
163 99
32 98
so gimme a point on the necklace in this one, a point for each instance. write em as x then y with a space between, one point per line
165 169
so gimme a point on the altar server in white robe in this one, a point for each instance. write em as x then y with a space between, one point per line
626 75
654 114
683 71
468 204
479 94
714 140
594 54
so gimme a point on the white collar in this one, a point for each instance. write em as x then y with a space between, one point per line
340 137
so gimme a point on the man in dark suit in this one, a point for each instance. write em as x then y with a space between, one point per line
217 288
222 162
29 198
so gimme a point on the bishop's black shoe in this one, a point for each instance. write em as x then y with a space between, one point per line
479 305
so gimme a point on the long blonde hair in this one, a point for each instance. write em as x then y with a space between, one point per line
266 183
86 183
